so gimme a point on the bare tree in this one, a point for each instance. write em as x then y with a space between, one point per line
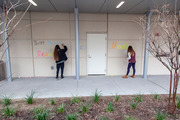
164 43
10 18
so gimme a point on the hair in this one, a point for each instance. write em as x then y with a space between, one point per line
56 50
130 49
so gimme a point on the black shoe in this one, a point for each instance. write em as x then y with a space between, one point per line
62 77
56 77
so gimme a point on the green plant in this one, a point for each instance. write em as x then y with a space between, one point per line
97 96
75 100
138 98
8 111
160 115
72 116
85 107
110 107
53 101
129 117
61 108
178 102
133 104
29 98
40 113
104 118
6 100
116 97
156 96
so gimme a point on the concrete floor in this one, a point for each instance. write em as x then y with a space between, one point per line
68 87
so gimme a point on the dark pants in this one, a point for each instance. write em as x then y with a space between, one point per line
58 66
129 66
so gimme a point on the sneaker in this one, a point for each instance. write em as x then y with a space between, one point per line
133 76
62 77
126 76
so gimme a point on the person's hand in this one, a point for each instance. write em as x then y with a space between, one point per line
63 45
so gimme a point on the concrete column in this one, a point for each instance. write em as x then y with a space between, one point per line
146 53
77 41
6 47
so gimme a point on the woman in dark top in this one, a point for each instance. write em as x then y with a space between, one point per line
60 57
131 56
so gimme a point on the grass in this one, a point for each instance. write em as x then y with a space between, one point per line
116 97
6 100
61 108
40 113
110 107
72 116
156 96
53 102
97 95
138 98
133 104
104 118
75 100
29 98
8 111
129 117
85 107
160 115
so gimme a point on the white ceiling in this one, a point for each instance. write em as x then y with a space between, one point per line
97 6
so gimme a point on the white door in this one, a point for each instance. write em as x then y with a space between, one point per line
96 53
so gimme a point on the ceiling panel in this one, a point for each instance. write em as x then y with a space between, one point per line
97 6
63 5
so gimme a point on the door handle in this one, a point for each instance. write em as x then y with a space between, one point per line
89 56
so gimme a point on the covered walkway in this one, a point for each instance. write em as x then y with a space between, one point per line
68 87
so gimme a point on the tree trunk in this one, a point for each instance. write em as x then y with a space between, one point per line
169 106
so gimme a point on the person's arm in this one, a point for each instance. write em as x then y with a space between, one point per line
65 48
129 56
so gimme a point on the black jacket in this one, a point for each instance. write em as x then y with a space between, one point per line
62 54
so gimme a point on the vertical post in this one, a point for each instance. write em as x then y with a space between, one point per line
77 41
146 53
6 47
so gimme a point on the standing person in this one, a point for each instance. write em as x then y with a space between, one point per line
132 60
60 57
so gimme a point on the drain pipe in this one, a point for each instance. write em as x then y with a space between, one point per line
6 47
146 53
77 41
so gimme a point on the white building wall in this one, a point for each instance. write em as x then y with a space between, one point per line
31 48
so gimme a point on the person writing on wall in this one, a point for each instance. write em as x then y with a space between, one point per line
131 56
60 57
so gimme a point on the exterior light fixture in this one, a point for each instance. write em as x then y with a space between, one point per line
120 4
32 2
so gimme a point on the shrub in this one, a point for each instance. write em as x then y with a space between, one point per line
75 100
53 101
6 100
138 98
133 104
61 108
160 115
97 96
29 98
72 116
129 117
178 102
116 97
110 107
8 111
40 113
156 96
85 107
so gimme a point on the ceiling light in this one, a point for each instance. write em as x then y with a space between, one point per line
119 5
32 2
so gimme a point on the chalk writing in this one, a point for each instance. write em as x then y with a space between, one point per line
115 46
45 54
38 42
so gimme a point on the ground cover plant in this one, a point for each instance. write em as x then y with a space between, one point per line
105 109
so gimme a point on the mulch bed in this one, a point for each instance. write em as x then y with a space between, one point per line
146 110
